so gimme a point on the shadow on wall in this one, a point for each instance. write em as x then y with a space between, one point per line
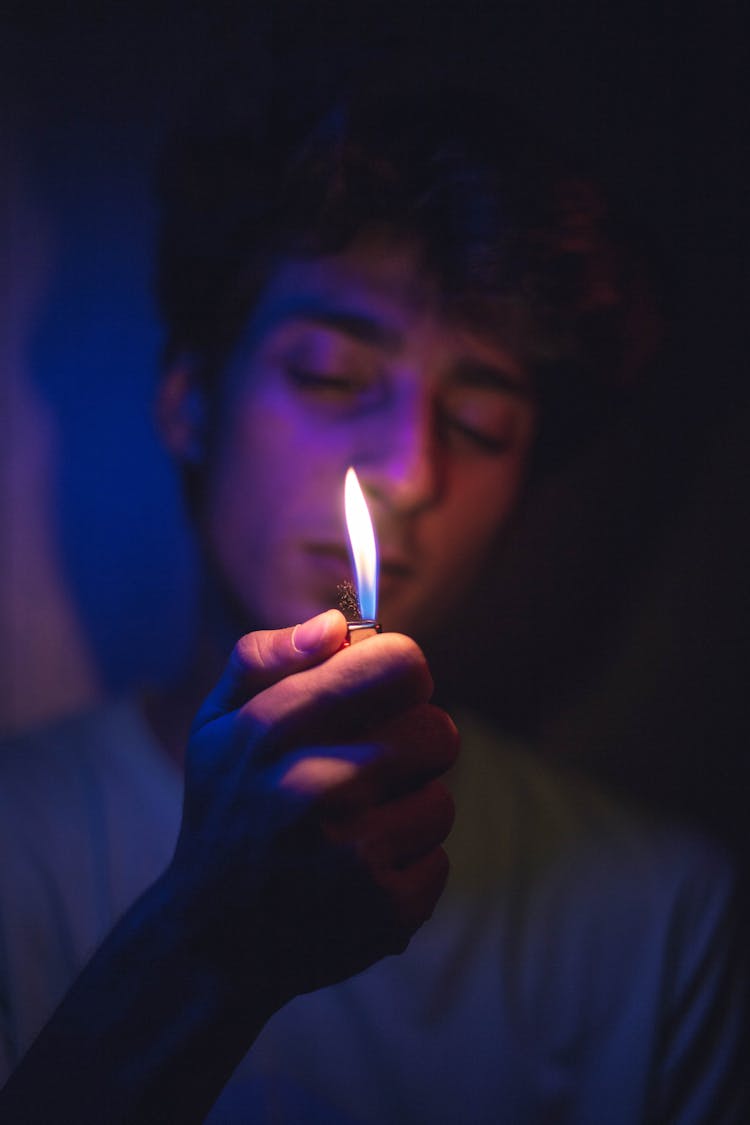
95 565
47 666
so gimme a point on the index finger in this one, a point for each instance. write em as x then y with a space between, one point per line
342 699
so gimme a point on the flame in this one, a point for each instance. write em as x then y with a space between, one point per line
362 546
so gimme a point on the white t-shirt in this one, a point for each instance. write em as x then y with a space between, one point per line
578 968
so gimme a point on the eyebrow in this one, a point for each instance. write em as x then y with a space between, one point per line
369 330
476 373
366 329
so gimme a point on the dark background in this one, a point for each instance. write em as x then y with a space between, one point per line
615 629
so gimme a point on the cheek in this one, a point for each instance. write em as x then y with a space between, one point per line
245 489
281 438
497 488
259 449
483 502
277 475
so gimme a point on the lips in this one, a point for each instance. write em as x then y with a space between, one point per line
326 565
331 563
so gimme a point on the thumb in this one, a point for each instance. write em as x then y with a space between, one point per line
263 658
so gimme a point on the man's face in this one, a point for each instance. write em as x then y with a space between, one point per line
350 360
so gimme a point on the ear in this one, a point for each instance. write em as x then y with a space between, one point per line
181 413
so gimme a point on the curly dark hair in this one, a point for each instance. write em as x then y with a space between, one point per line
510 231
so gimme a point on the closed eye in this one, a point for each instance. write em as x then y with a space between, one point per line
481 419
342 382
485 441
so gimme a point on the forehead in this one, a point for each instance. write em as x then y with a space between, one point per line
379 292
383 281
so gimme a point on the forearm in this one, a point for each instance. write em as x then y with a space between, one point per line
151 1030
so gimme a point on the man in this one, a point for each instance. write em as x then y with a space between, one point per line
406 288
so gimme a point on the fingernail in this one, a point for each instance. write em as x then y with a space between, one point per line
309 636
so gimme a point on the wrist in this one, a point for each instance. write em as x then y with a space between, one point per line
223 954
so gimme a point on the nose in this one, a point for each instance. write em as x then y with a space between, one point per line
403 470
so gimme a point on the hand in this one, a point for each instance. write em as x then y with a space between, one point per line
309 848
312 823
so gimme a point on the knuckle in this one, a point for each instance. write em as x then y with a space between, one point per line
263 654
247 655
443 809
448 805
409 659
444 733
